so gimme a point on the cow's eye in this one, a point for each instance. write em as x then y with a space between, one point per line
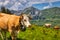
25 20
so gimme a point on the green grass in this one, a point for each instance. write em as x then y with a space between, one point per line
42 22
39 33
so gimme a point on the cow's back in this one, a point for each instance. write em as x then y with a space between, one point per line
8 20
3 20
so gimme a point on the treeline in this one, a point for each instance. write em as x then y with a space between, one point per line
5 10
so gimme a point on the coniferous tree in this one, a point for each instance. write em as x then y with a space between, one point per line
5 10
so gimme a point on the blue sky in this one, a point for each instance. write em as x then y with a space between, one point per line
40 6
56 4
22 4
47 5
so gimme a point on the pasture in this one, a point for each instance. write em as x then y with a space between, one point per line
38 33
40 17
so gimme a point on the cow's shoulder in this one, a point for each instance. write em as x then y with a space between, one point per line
13 20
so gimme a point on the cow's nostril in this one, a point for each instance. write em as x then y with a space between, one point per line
29 25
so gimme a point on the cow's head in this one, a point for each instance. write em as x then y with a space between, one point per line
25 20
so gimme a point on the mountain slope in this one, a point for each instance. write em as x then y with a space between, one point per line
51 13
43 14
32 11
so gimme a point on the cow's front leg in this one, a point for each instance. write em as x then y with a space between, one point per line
13 32
13 35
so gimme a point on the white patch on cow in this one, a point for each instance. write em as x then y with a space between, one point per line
25 21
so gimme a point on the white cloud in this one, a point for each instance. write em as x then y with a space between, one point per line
22 0
43 1
1 3
25 3
31 2
15 6
6 2
45 7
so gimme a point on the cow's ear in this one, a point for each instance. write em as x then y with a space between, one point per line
21 17
30 17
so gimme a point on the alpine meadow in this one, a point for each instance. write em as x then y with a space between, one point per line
37 19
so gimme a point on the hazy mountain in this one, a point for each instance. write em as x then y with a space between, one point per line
43 14
51 12
32 11
40 14
16 12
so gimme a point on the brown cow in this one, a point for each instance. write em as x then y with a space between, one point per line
12 23
47 25
56 27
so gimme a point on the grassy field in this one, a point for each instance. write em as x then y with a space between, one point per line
42 22
38 33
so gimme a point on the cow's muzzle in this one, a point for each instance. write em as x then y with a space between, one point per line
22 28
29 26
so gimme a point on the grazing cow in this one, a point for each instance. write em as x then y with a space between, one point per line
47 25
56 27
13 23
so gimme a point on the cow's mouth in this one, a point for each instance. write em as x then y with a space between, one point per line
22 28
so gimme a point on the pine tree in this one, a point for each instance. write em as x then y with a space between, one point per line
5 10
